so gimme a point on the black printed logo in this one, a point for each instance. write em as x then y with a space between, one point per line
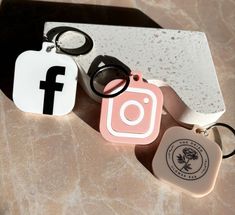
50 86
187 159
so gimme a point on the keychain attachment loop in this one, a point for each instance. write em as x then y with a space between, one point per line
119 68
229 128
57 32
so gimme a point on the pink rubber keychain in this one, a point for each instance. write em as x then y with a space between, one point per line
134 115
189 161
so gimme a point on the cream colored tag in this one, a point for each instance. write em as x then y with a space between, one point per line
188 161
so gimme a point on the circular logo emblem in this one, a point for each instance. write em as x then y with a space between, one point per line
187 159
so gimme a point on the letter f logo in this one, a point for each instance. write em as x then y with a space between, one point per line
37 88
50 86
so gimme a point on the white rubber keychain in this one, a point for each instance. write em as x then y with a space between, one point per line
188 160
45 81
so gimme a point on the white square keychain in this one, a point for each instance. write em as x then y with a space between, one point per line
188 161
45 81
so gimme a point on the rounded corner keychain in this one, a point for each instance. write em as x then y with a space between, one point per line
130 110
189 161
45 81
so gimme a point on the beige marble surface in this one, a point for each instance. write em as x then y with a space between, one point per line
62 165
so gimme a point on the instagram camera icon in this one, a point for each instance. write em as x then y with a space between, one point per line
134 116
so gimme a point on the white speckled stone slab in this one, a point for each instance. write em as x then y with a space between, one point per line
182 59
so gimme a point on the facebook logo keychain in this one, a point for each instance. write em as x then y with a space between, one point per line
45 82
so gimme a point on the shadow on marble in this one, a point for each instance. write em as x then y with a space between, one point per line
87 109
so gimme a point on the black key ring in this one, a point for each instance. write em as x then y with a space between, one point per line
107 67
229 128
57 32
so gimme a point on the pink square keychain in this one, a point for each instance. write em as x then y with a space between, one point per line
188 160
133 116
